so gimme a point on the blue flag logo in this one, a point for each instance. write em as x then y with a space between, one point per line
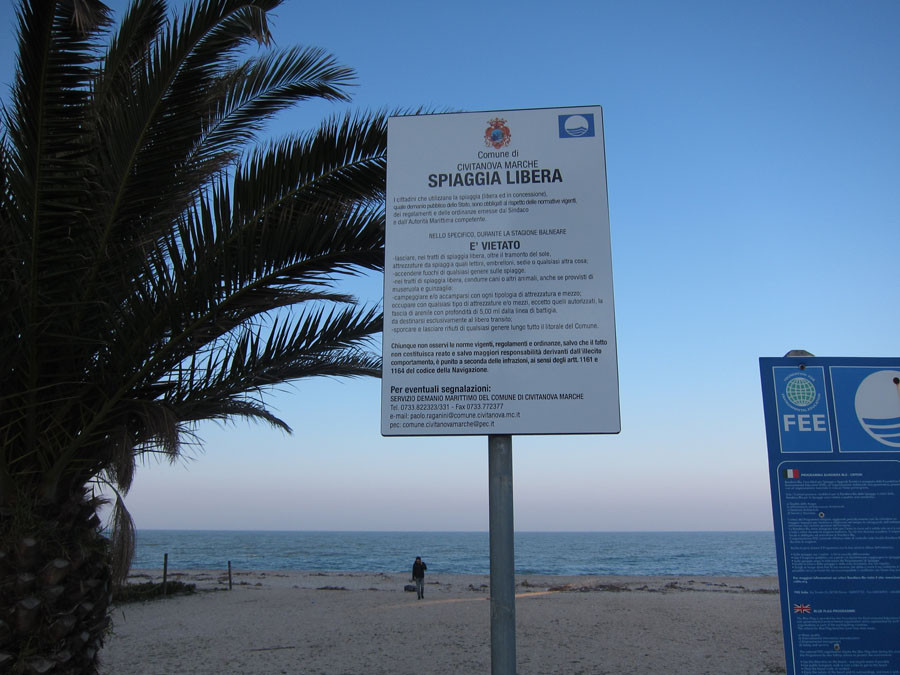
576 126
867 408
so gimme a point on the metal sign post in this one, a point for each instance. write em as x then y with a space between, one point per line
503 580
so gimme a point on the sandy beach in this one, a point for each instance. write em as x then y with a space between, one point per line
357 623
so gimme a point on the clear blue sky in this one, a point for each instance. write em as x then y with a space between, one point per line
753 159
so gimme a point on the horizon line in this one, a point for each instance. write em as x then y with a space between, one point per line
438 531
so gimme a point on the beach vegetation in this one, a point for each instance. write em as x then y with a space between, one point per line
151 590
162 263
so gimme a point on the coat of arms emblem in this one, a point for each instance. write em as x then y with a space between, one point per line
497 134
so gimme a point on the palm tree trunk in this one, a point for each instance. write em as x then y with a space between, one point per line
54 586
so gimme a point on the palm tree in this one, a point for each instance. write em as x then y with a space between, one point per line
159 265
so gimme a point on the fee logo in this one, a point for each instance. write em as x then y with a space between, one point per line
800 392
803 424
497 134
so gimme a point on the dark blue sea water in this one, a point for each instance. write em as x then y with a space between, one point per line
564 553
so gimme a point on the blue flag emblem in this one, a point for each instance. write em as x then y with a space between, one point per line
576 126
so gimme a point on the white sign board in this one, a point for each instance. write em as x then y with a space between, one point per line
498 279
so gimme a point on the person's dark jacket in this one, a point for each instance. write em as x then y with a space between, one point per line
418 571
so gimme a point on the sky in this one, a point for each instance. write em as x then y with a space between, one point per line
753 164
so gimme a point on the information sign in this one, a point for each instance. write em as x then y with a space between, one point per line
498 280
833 429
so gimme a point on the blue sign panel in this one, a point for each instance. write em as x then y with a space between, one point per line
833 430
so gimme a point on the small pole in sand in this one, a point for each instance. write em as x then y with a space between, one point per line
503 580
229 575
165 571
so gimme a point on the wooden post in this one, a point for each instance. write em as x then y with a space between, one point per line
229 575
165 571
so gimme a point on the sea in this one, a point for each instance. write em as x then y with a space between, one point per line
560 553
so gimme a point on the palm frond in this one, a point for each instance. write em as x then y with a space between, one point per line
122 537
255 91
221 386
46 172
139 27
342 161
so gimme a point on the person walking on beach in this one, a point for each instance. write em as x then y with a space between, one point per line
418 574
